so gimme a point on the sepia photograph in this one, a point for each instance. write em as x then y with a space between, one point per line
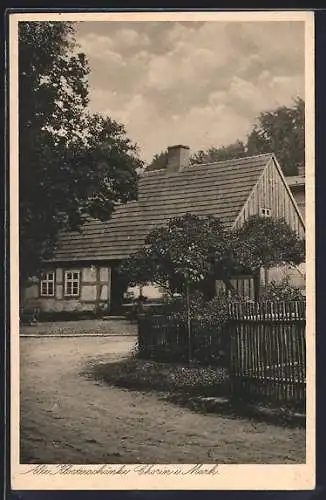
164 176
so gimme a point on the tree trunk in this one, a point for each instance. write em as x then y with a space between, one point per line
229 287
257 286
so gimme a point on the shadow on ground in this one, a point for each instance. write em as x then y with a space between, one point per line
200 389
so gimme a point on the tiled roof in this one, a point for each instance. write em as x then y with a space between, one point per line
218 189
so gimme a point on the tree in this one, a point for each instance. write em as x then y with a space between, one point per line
193 250
267 242
182 249
281 132
159 161
213 154
72 165
179 257
223 153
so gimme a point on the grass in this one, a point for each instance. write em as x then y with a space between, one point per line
164 377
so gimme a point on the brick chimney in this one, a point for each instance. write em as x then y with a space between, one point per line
178 158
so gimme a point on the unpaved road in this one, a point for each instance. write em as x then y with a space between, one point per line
69 418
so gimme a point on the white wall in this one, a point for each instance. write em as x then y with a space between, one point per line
150 291
296 276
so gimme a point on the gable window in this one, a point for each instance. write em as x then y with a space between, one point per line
266 212
47 285
72 283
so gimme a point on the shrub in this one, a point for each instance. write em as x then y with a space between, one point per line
206 314
282 291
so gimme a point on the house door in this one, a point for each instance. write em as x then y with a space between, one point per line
118 288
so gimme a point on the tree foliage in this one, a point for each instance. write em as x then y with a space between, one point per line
72 165
159 161
213 154
281 131
197 249
183 248
223 153
266 242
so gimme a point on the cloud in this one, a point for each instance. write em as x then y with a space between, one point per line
201 84
129 38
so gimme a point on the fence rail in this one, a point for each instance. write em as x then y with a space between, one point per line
263 346
268 311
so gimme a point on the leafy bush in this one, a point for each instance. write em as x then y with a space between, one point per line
282 291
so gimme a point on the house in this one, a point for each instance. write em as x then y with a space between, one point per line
82 276
297 185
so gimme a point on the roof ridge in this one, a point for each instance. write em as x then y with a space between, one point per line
147 172
223 162
195 165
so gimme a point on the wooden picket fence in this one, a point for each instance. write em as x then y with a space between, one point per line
165 339
267 352
264 348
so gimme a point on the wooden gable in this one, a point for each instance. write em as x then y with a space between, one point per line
271 196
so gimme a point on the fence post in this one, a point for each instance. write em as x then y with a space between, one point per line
141 333
188 320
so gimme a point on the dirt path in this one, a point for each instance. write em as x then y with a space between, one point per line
67 418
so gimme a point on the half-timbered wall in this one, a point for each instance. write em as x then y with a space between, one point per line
94 291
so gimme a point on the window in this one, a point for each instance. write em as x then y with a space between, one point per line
47 285
72 283
266 212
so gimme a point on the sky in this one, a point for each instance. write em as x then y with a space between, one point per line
200 84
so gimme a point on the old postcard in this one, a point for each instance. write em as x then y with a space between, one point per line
162 250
